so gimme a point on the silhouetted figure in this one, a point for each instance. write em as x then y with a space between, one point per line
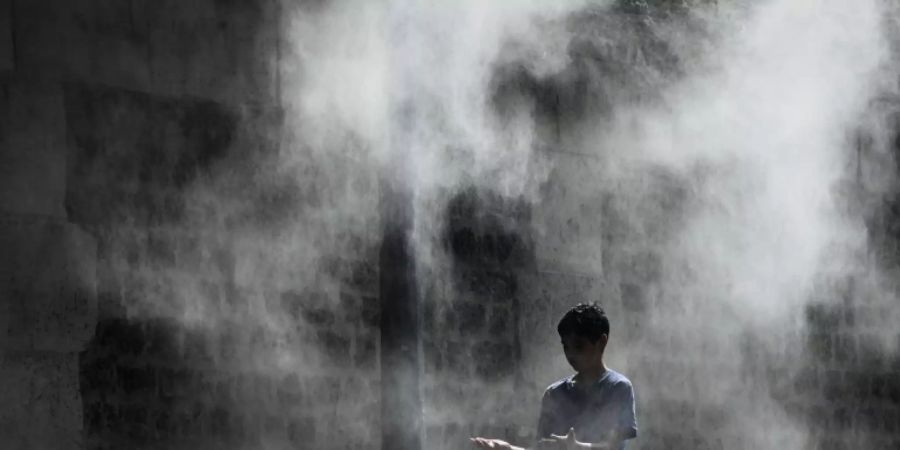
594 408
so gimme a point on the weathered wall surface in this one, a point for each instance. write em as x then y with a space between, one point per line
138 312
113 113
47 279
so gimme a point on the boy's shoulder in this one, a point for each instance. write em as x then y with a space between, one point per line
614 377
559 384
610 378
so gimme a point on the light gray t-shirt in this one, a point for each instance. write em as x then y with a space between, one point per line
593 411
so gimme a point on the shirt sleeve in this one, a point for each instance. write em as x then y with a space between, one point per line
547 417
627 418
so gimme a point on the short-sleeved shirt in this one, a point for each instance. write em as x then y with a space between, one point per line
594 412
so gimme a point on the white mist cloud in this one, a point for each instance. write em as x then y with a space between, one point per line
758 131
762 139
754 130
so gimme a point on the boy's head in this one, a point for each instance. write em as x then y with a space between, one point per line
584 331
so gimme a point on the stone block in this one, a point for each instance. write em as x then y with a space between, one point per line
633 297
366 354
32 149
336 346
251 32
95 40
289 391
350 305
137 380
323 317
41 404
119 61
362 275
458 360
471 317
500 322
490 286
302 432
7 52
821 345
114 49
120 337
168 73
131 153
845 348
160 12
173 382
197 349
47 285
371 311
49 40
210 65
494 360
207 48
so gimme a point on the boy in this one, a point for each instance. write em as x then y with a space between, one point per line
594 408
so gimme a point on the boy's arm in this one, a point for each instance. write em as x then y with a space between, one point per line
546 417
569 441
493 443
627 428
544 426
556 442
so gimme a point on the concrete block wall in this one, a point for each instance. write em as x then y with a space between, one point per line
113 110
47 280
210 49
6 37
48 309
111 113
34 136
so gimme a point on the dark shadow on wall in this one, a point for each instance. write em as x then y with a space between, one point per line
131 155
150 380
471 343
486 229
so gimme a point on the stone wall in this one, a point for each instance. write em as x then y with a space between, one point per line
122 117
47 279
140 199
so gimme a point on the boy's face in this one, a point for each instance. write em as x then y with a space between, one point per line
581 352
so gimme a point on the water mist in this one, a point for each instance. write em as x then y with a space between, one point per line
701 176
694 167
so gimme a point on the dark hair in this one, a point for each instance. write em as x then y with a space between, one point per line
585 319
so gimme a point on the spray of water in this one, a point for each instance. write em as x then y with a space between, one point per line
721 166
693 154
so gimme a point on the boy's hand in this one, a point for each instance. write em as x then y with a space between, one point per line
567 442
550 444
491 443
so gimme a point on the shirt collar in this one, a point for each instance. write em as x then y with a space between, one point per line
570 381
